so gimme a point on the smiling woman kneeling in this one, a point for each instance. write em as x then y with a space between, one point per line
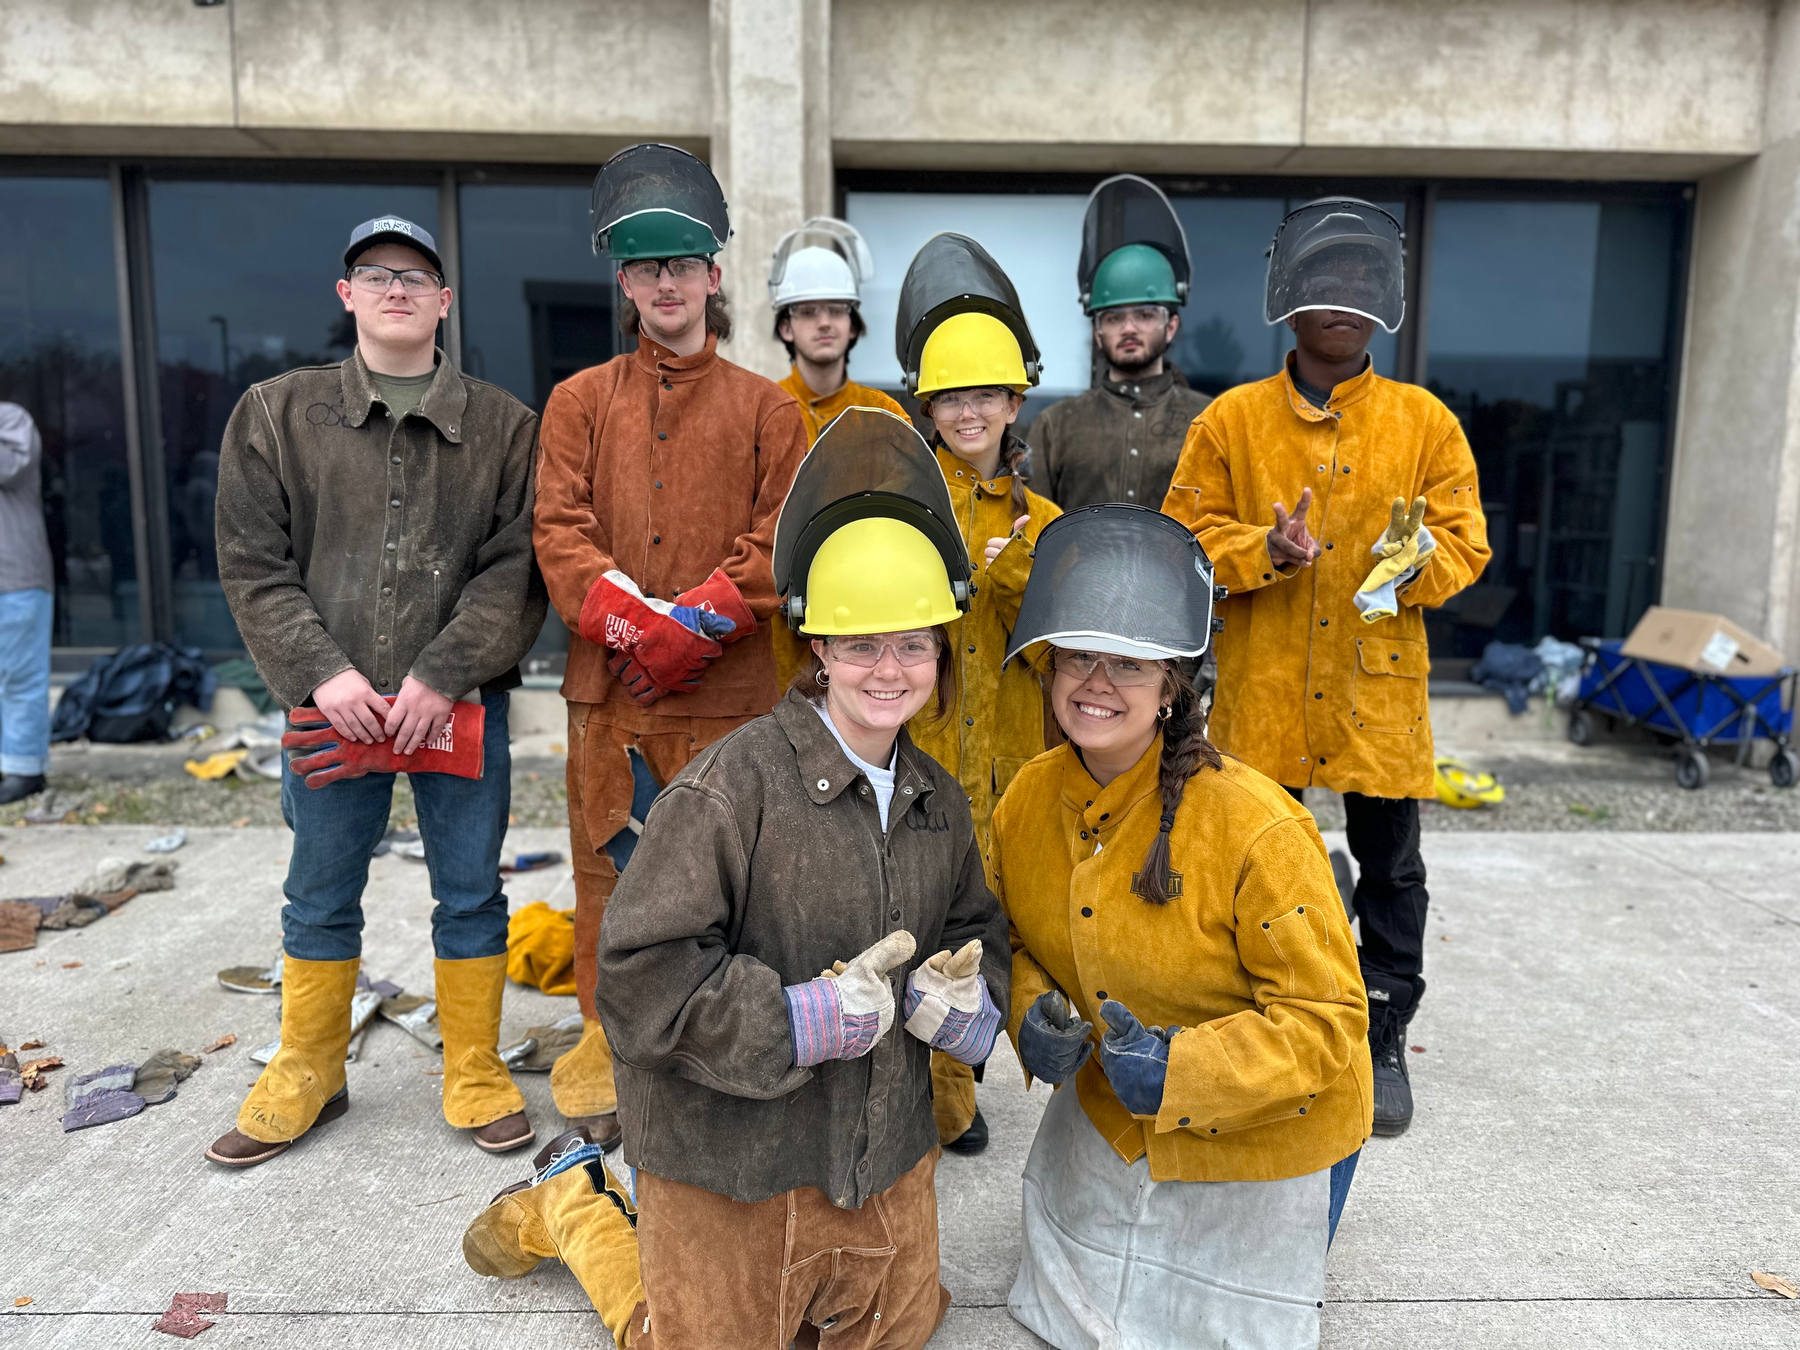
1185 1192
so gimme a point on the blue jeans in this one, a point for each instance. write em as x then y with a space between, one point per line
25 681
1341 1173
462 822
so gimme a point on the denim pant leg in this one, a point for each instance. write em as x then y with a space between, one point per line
1341 1174
336 828
463 824
25 681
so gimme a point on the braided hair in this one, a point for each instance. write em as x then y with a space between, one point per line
1015 456
1185 750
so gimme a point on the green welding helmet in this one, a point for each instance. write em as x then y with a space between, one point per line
1138 274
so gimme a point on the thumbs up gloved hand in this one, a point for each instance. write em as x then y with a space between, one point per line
1135 1057
842 1016
948 1006
1402 551
1053 1041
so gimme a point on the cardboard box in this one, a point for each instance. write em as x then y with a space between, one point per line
1708 643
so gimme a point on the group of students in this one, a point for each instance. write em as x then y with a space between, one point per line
823 856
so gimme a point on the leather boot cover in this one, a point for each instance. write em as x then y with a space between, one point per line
309 1068
581 1081
478 1090
582 1218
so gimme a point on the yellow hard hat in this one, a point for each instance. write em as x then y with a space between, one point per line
877 575
1462 787
967 350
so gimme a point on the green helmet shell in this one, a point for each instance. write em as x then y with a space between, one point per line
1136 274
659 234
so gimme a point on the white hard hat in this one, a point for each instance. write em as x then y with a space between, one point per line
825 259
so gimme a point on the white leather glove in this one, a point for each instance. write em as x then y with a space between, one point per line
948 1006
843 1016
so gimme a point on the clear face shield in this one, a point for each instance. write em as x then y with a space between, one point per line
1341 254
795 273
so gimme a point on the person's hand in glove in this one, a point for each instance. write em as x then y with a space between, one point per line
457 749
1401 554
669 644
1135 1057
948 1006
842 1016
718 597
1053 1041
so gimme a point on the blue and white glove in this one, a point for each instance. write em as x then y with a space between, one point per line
843 1016
1053 1041
948 1006
1135 1058
703 621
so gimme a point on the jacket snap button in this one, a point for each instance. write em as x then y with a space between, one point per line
387 590
1215 1130
1104 815
1265 925
1319 695
662 435
1185 1119
1101 994
394 502
1086 912
667 385
382 641
656 539
1394 657
1268 576
394 460
1324 623
1303 1110
894 914
1084 834
390 548
1301 910
1346 467
1327 546
826 782
906 791
968 721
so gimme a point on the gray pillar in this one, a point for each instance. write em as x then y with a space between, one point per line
1733 538
771 147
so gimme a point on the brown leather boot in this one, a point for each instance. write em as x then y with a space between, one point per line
236 1149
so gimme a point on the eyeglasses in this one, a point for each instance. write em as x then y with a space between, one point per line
647 271
1144 316
822 310
379 280
910 649
1123 672
981 402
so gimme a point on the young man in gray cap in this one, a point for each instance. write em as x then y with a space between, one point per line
374 529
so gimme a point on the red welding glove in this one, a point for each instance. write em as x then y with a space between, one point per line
718 595
638 683
672 648
457 749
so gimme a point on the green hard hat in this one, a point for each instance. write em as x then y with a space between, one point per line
1135 274
660 234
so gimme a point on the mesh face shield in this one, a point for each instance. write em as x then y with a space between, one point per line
867 462
826 232
1119 579
1125 210
671 194
952 274
1338 253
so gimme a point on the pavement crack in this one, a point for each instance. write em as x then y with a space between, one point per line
1706 881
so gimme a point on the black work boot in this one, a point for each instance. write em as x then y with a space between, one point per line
972 1140
1392 1003
16 787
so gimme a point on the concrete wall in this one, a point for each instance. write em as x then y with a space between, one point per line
1733 538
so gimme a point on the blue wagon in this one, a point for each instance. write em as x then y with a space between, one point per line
1692 708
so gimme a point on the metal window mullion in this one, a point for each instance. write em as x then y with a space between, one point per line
450 249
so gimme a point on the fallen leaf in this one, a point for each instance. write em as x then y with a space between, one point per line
101 808
1775 1284
556 748
434 1073
1417 1049
71 965
229 1038
240 822
21 1302
512 820
31 1074
32 1045
1443 939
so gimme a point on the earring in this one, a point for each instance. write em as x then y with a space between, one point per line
821 679
1163 714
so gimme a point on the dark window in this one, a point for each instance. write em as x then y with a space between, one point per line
59 359
537 308
244 282
1550 336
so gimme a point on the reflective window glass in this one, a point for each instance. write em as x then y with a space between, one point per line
537 306
59 360
244 283
1549 336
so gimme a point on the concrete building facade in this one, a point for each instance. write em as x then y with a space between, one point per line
1646 448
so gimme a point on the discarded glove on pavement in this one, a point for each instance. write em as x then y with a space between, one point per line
543 1046
119 874
102 1109
19 921
158 1075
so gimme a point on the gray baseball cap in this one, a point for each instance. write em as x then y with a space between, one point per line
392 230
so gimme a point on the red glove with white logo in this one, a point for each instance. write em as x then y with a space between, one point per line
718 595
670 654
457 749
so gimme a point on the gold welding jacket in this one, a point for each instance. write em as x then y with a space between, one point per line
1308 693
1270 1077
996 722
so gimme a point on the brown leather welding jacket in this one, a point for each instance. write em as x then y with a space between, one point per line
666 467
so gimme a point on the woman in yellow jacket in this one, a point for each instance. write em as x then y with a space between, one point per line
970 378
1185 1191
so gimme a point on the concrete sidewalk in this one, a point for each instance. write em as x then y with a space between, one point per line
1604 1148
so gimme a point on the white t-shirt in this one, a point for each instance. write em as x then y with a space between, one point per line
882 780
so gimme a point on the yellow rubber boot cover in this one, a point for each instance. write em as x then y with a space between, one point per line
477 1088
591 1231
308 1070
581 1082
877 575
970 350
